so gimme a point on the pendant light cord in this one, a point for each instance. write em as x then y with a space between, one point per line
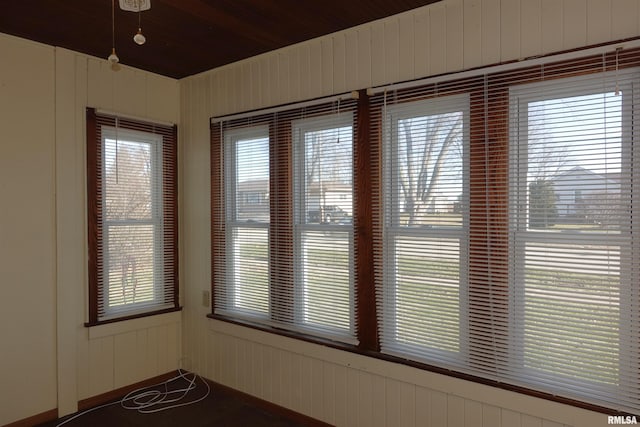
113 24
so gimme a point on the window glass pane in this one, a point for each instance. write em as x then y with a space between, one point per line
428 164
326 280
252 178
572 310
247 219
128 180
427 278
575 163
251 269
130 261
328 175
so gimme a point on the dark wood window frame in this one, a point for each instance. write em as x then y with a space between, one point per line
94 122
489 206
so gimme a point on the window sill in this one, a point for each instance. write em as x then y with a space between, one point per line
121 326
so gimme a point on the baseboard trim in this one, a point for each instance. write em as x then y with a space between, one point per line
42 418
268 406
112 395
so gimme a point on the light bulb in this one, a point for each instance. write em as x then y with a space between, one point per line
139 38
113 58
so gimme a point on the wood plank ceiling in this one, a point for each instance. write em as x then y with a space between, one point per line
185 37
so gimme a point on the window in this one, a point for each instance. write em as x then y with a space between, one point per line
479 225
132 218
247 223
572 233
323 251
285 258
424 234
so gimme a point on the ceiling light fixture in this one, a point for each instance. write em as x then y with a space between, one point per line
113 58
139 38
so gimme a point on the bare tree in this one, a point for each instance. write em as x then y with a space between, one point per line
425 149
328 156
128 198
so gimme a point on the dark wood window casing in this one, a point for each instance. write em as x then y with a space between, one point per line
169 300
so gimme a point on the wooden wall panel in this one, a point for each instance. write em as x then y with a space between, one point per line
423 407
119 359
130 92
439 409
455 411
343 395
100 84
437 40
101 366
314 77
598 21
422 53
472 34
552 30
365 73
454 38
625 16
491 32
351 65
340 63
125 359
530 28
472 413
406 48
390 48
529 421
491 416
304 68
294 73
574 23
377 62
509 30
356 399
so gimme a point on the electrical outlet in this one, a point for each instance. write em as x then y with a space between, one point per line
206 298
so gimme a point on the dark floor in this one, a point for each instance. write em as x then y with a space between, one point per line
220 408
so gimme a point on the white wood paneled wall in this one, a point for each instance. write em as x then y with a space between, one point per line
448 36
345 389
115 356
100 359
445 37
27 230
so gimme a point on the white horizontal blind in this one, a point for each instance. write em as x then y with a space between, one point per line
133 253
545 291
282 233
425 228
247 219
323 223
574 260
